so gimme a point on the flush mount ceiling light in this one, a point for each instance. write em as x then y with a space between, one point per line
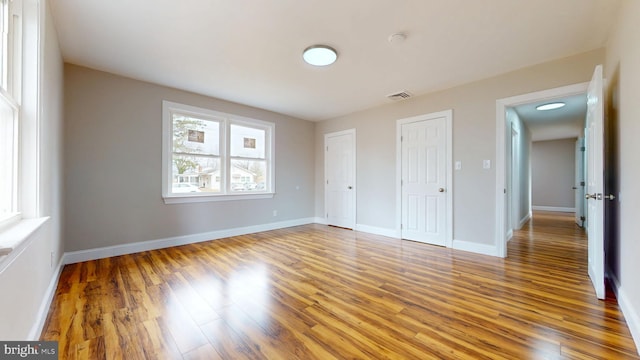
550 106
320 55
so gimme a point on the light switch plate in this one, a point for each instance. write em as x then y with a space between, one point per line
458 165
486 164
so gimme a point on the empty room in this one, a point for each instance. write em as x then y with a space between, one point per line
217 179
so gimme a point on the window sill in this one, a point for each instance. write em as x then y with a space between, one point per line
13 236
180 199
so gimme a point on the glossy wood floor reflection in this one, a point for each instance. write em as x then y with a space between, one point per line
316 292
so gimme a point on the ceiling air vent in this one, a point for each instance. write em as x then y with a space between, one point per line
399 96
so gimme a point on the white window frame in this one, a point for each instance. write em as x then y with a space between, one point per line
10 94
225 120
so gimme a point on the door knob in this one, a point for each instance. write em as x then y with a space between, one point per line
349 187
441 190
590 196
610 197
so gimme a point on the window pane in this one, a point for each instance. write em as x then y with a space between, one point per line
8 130
247 142
193 174
4 40
248 175
195 136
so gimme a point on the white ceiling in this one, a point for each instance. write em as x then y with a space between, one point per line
250 51
563 123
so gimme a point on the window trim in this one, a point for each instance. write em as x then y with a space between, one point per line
226 120
11 79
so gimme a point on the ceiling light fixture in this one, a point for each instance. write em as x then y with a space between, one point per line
550 106
320 55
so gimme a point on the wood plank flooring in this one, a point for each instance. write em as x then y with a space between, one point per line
316 292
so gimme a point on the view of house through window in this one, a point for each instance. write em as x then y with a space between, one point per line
214 153
248 164
196 155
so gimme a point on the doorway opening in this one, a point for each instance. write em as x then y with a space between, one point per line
594 176
513 174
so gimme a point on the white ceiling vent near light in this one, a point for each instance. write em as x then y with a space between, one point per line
399 95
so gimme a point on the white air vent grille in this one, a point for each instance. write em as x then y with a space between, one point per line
399 96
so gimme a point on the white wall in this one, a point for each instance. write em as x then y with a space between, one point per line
113 170
622 71
27 280
474 139
519 169
553 174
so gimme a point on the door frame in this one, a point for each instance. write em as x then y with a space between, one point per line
501 130
354 174
448 116
514 186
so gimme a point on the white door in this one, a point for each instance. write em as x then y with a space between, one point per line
595 181
424 181
340 176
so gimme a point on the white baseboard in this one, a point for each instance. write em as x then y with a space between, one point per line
43 311
117 250
320 220
483 249
554 208
630 314
393 233
524 220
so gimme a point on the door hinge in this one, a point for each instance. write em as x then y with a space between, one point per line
327 215
401 138
327 148
582 148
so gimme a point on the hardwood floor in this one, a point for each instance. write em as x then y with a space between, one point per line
316 292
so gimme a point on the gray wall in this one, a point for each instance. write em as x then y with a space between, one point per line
113 165
25 281
553 173
622 71
474 139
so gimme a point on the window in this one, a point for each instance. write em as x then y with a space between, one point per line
10 80
211 156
